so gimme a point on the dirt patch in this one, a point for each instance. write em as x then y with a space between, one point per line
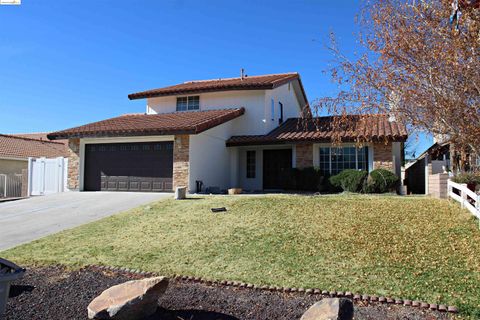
55 293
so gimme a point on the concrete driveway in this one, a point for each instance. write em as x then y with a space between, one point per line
25 220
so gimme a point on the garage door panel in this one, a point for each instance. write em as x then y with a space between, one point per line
129 166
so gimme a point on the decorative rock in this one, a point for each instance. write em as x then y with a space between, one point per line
424 305
398 301
309 291
340 294
301 290
433 306
324 292
131 300
348 294
333 293
382 299
293 289
373 298
224 282
407 303
249 286
415 303
286 289
442 308
331 309
390 300
316 291
357 296
365 297
452 309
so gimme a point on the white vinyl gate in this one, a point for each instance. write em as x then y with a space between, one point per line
47 176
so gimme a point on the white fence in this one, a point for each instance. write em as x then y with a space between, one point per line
10 185
47 176
467 198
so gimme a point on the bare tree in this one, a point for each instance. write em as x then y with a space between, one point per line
420 65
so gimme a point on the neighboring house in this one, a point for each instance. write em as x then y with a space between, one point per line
237 132
440 157
15 151
38 136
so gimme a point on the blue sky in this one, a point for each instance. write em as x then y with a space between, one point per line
66 63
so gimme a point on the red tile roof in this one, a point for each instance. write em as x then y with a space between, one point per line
20 147
360 128
192 122
263 82
38 136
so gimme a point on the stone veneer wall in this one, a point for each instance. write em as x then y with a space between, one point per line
304 155
383 156
73 164
181 161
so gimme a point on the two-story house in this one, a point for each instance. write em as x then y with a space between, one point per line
236 132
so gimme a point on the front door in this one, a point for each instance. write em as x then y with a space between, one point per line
276 164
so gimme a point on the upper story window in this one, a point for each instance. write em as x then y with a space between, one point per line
280 119
272 111
188 103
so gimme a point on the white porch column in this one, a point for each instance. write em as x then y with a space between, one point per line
234 167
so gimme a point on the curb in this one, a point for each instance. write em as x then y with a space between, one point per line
356 297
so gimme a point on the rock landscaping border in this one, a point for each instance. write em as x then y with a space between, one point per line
355 297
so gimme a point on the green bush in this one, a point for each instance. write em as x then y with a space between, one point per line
349 180
381 181
305 179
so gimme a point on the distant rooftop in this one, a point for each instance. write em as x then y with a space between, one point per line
22 147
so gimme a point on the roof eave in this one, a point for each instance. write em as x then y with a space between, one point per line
146 95
114 134
311 140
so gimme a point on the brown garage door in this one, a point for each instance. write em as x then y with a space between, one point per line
144 167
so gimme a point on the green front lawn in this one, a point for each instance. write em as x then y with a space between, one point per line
409 247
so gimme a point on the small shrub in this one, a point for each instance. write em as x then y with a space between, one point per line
467 177
305 179
381 181
349 180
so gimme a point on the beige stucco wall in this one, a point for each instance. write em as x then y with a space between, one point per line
8 166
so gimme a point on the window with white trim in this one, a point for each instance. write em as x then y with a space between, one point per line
333 160
188 103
